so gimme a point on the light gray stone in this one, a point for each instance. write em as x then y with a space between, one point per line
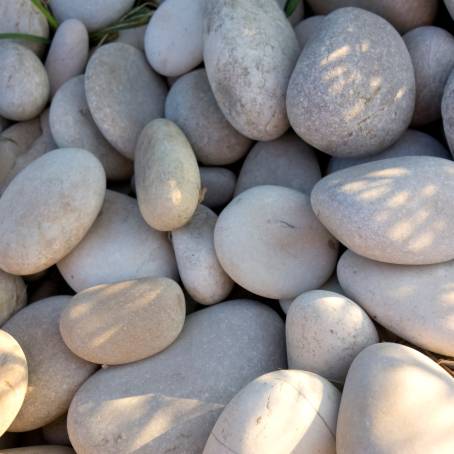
171 401
249 72
218 185
395 211
68 53
24 85
269 241
414 302
133 36
325 331
54 373
72 126
395 400
432 53
48 208
307 28
287 411
192 106
199 268
411 143
94 15
174 37
123 94
403 14
120 246
286 161
167 177
352 92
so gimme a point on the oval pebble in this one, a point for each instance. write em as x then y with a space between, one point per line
167 177
389 210
54 372
414 302
411 143
248 75
403 14
123 94
94 15
388 388
21 16
286 161
68 53
325 331
48 208
192 106
73 127
199 268
13 384
269 241
24 85
307 28
171 401
218 185
174 37
120 246
432 52
123 322
280 412
359 66
13 295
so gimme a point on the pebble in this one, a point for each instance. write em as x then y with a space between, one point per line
307 28
13 295
447 110
218 185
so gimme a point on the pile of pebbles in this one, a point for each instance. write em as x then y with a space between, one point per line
227 230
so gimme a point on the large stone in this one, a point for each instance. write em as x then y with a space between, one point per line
48 208
287 411
170 402
395 400
352 92
120 246
414 302
396 210
269 241
249 71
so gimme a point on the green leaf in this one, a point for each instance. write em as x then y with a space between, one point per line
24 37
44 10
290 6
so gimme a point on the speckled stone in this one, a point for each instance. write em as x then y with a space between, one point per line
21 16
13 295
170 402
325 331
48 208
54 373
68 53
120 246
72 126
352 92
192 106
13 385
307 28
269 241
286 411
447 112
432 52
414 302
199 268
123 94
174 37
218 185
123 322
286 161
395 211
395 400
24 85
411 143
95 15
248 75
403 14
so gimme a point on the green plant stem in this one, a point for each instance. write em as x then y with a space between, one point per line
291 6
24 37
44 10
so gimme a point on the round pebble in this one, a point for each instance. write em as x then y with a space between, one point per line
269 241
218 185
123 94
307 28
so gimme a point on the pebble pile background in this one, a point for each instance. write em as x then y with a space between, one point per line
227 230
